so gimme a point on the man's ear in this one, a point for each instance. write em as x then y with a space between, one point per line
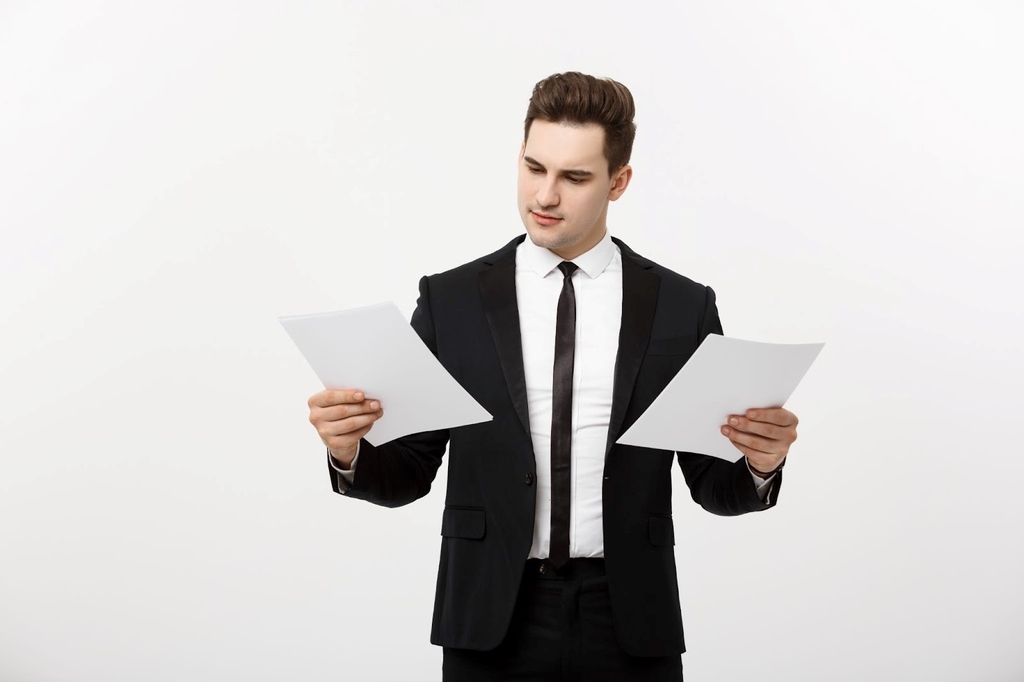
620 181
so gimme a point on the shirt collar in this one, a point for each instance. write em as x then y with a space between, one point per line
542 261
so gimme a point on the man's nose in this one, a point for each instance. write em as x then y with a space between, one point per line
547 194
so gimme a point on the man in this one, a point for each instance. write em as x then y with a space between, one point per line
557 556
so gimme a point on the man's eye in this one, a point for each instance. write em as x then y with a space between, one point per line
574 181
535 170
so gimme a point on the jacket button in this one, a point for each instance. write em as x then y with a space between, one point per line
529 478
543 568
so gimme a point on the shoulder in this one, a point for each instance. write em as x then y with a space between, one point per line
683 306
670 279
474 267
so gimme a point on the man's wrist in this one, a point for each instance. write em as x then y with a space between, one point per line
343 460
765 474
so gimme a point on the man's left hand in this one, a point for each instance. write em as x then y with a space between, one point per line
763 435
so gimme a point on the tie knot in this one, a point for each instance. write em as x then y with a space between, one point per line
568 267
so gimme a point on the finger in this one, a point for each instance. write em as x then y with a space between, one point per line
786 434
349 425
336 397
338 412
341 442
753 442
779 416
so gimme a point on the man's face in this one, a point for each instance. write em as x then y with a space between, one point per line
564 186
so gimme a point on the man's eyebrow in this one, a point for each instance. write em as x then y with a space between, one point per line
578 172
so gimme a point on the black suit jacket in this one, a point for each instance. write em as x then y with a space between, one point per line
469 319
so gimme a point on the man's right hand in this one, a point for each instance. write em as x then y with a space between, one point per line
342 418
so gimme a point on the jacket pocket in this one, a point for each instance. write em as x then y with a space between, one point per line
682 345
661 531
463 522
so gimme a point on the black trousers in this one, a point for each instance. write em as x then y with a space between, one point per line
561 631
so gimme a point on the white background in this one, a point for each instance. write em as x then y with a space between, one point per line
173 176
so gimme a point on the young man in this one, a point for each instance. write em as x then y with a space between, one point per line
557 552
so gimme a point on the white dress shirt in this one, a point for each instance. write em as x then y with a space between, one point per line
598 287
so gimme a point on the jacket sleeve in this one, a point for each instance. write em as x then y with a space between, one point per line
721 487
400 471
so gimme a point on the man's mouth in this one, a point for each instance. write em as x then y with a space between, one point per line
545 219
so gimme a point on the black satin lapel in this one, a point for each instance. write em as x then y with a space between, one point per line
498 291
639 300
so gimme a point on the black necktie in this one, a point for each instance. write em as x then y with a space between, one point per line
561 417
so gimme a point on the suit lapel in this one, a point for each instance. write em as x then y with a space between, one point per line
498 292
639 301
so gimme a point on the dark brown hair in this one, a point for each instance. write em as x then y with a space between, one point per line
577 99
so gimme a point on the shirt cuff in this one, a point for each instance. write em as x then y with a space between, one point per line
762 485
346 474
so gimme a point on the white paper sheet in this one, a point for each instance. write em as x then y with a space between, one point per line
375 350
724 376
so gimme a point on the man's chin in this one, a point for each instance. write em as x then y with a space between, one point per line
546 240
